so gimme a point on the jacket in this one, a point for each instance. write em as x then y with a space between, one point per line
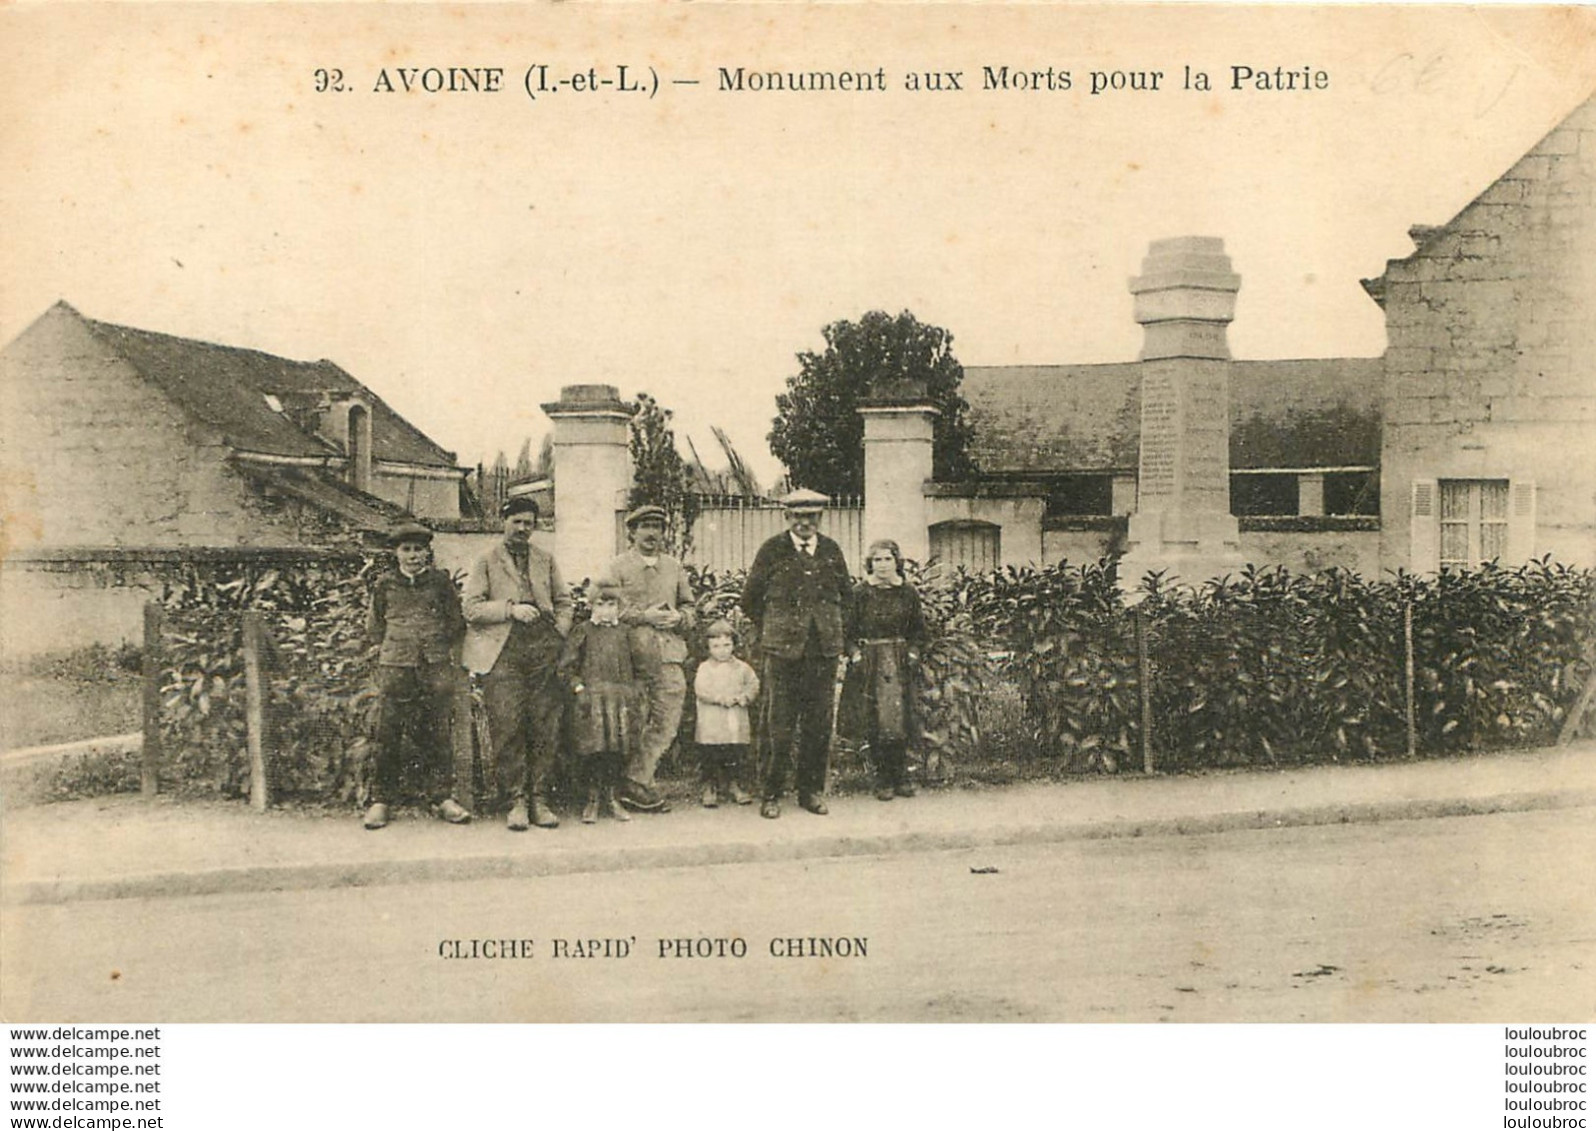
788 594
643 589
415 620
493 585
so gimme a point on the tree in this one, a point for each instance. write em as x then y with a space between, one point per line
818 432
659 474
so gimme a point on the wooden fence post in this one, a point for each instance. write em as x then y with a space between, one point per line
1407 678
255 710
150 757
1144 689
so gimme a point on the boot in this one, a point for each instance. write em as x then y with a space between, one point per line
590 811
734 792
518 821
711 796
542 816
613 807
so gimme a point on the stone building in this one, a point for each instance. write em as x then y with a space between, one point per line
1489 431
1473 437
125 448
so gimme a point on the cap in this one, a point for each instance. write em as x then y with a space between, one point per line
643 514
804 499
410 532
519 504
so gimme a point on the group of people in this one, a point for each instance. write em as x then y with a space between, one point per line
622 671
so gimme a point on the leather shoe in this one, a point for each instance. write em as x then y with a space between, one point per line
517 821
711 797
376 816
885 793
904 789
542 816
738 797
452 811
636 795
590 810
815 805
770 807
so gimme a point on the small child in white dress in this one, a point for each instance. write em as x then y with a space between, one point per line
723 690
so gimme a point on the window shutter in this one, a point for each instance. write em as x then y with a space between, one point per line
1424 529
1520 521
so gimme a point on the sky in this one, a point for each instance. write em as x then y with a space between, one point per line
467 254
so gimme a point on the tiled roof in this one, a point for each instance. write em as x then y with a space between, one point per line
330 494
1048 419
227 387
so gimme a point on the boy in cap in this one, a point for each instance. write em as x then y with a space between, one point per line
416 622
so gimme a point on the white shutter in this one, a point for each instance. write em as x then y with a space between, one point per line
1520 522
1424 527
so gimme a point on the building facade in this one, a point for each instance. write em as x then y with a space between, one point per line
124 449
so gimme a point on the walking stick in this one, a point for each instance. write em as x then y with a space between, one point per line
836 699
766 751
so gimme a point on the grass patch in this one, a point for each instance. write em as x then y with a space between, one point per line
89 693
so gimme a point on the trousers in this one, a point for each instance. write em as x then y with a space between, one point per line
796 720
524 699
414 703
664 692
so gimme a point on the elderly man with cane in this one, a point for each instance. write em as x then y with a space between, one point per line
798 596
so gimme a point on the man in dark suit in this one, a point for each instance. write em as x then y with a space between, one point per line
797 596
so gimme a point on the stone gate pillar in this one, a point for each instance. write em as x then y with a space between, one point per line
897 442
1185 299
592 476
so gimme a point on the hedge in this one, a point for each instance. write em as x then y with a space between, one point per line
1269 667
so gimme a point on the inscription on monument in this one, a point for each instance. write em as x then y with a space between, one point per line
1161 430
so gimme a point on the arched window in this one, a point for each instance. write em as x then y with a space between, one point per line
357 443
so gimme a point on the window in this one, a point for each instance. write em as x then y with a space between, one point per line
1352 492
1269 494
1080 494
358 444
1473 521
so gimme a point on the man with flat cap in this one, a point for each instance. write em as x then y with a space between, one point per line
657 606
517 615
414 620
797 595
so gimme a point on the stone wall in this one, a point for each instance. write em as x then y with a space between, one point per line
1491 365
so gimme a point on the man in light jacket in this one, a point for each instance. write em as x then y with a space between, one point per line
657 605
517 614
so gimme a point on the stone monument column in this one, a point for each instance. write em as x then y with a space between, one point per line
592 476
1185 298
897 443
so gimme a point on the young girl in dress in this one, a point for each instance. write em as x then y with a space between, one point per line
878 696
722 691
597 665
